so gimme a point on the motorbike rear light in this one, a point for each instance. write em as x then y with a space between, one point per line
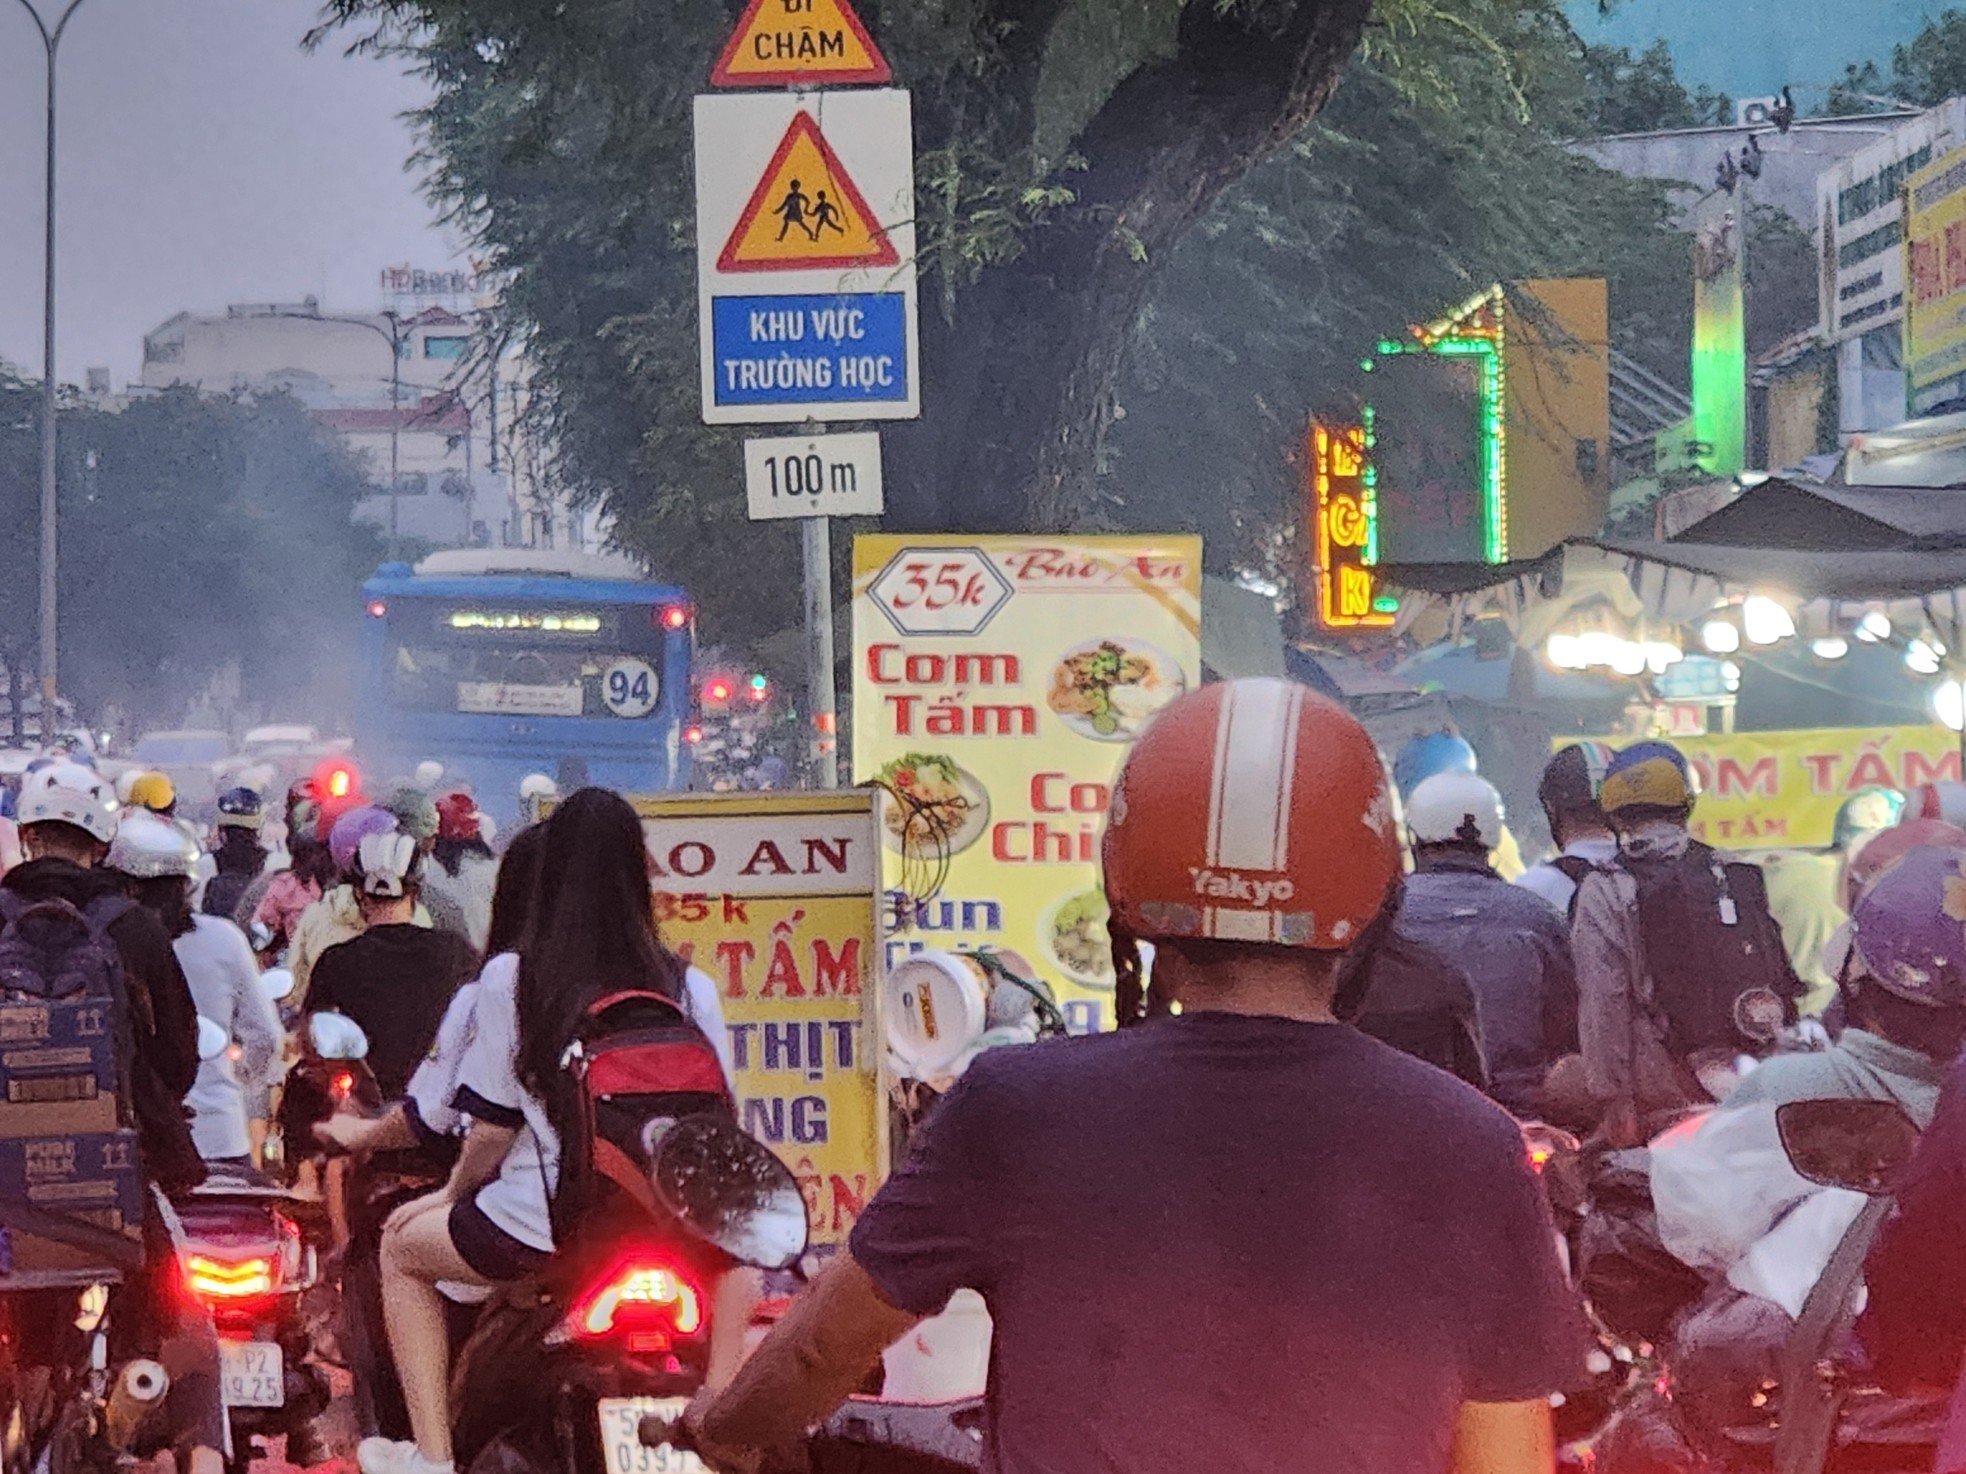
649 1303
344 1085
228 1280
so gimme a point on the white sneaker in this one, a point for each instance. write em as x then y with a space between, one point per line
386 1456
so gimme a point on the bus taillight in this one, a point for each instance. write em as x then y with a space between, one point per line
670 616
377 609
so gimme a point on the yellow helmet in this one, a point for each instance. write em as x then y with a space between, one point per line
152 791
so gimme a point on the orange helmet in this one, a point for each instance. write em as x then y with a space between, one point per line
1252 811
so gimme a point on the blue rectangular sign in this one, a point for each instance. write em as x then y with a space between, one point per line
831 349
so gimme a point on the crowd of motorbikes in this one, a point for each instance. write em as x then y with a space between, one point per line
569 1371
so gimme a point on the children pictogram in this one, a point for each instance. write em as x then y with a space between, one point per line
806 213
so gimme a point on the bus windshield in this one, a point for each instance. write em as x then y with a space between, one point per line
524 660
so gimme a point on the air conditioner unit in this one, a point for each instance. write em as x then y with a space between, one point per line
1755 112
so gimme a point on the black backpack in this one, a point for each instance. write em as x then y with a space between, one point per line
1720 978
50 952
1573 868
637 1059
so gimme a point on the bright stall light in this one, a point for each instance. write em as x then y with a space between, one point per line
1874 628
1628 659
1730 674
1834 647
1765 621
1923 658
1720 636
1949 704
1565 652
1659 655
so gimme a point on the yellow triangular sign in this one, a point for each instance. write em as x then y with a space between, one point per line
806 213
781 43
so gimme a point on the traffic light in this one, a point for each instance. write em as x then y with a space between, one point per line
760 687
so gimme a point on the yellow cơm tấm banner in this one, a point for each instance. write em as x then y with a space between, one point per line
777 897
997 683
1781 790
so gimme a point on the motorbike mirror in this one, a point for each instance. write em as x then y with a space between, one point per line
213 1041
728 1190
278 982
1862 1145
337 1036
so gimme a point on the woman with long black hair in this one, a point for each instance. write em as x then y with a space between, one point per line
591 933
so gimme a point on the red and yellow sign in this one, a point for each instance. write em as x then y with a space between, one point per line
998 683
1341 514
776 896
783 43
806 213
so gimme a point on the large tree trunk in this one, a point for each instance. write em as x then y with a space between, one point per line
1020 385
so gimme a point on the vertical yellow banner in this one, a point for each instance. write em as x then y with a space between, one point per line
776 896
997 682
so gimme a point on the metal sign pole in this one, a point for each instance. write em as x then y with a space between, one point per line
816 541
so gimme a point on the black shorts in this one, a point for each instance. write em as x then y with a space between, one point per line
489 1249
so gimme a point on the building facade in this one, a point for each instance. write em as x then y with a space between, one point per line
411 388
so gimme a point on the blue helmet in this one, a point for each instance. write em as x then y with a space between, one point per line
1423 757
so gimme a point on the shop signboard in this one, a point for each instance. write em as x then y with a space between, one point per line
997 684
1860 207
1781 790
1935 271
777 897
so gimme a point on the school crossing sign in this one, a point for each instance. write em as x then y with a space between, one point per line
806 256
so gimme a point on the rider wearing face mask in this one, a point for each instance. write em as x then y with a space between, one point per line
1680 965
1214 1184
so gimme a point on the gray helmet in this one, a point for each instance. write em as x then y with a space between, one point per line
148 847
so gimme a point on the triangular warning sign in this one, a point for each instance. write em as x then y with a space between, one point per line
781 43
806 213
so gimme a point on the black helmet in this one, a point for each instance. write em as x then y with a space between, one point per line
240 808
1571 781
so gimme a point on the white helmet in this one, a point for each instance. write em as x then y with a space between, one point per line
1455 808
538 785
428 774
386 862
68 793
148 846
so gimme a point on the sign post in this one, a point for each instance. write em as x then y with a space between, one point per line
805 210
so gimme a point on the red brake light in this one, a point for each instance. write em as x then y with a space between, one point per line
648 1301
671 616
218 1279
717 691
344 1085
692 735
377 608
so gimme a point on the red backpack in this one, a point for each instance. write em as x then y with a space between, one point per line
637 1060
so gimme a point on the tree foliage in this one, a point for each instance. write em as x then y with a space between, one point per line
197 533
1124 208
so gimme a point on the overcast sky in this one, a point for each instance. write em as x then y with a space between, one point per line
205 159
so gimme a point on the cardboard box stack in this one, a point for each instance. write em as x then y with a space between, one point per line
63 1145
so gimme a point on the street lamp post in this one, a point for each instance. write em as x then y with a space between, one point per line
394 336
50 645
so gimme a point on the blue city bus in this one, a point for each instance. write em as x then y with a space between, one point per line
502 663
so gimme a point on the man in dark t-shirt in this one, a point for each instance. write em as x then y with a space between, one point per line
396 978
1236 1234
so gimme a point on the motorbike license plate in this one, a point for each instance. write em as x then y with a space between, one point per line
621 1438
252 1373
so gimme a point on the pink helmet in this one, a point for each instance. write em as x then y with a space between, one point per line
345 839
1909 929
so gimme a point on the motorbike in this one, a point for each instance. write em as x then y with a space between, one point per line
1813 1411
562 1373
251 1255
